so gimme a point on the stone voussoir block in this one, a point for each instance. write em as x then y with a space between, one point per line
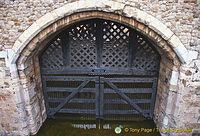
149 20
130 11
33 30
160 28
174 78
25 37
81 5
45 20
59 13
143 17
17 47
174 41
182 53
115 6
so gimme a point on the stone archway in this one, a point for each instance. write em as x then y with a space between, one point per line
25 51
145 23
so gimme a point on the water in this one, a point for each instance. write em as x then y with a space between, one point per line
72 127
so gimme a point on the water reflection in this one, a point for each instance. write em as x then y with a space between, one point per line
66 127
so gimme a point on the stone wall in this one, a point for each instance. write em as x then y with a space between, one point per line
180 16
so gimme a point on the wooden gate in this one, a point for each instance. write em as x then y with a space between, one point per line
101 68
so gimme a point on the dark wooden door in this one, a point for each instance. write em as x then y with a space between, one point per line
102 68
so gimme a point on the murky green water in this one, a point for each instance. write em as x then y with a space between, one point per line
67 127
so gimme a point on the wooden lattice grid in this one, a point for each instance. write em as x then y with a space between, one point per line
146 58
82 46
52 58
100 44
115 45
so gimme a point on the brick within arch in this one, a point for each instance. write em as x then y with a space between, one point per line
33 40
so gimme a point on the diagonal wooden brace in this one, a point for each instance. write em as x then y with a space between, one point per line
68 98
126 98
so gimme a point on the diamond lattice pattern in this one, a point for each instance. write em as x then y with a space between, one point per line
52 58
115 45
82 46
146 58
114 54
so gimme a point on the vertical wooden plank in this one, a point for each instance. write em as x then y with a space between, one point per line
101 97
45 95
99 41
132 47
153 98
65 47
97 96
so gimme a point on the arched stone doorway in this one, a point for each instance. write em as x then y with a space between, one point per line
32 41
100 68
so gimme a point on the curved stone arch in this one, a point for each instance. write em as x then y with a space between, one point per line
147 24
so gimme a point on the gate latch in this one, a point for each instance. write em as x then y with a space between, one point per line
98 71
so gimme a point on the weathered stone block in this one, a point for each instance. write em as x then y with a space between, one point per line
45 20
17 47
2 62
33 30
115 6
182 53
130 11
159 27
59 13
175 42
174 78
192 55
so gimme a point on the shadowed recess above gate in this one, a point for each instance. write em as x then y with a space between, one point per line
100 46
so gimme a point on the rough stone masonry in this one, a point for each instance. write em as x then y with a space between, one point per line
22 109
